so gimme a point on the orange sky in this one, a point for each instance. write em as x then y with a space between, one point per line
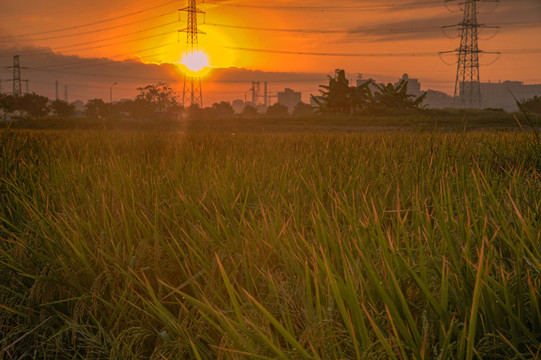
148 30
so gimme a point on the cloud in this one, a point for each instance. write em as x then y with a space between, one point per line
89 78
429 24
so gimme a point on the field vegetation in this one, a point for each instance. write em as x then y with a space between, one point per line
172 245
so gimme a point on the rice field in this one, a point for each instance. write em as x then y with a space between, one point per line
124 245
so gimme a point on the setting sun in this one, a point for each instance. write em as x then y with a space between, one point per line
195 61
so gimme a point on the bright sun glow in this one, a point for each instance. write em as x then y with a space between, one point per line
195 61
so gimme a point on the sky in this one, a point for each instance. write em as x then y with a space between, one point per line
88 45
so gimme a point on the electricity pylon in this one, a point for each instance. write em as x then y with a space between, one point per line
192 92
467 83
17 87
16 80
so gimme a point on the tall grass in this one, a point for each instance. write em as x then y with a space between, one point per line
305 246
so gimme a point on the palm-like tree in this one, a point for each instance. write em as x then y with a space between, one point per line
396 97
340 98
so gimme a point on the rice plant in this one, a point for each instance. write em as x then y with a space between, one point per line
121 245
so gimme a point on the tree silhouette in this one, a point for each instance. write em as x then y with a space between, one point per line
8 104
98 109
532 105
249 112
222 110
278 111
62 109
334 97
302 110
340 98
35 105
161 95
395 98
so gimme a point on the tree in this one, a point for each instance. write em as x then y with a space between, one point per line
222 110
249 112
62 109
340 98
138 109
395 98
303 110
161 95
8 104
532 105
98 109
35 105
334 97
277 111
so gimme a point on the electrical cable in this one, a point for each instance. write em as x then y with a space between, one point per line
93 31
348 31
75 47
92 23
390 54
325 8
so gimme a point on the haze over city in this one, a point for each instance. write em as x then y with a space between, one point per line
89 45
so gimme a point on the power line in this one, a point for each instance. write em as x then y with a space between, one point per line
92 23
326 8
121 36
76 47
349 31
285 52
334 8
381 54
94 31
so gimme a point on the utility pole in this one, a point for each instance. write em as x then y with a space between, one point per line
266 101
56 89
192 93
111 93
467 83
255 92
66 98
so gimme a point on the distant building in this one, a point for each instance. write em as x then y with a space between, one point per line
79 109
500 94
238 105
438 100
79 105
434 99
289 98
361 80
414 86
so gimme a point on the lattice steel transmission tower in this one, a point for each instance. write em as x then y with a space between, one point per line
467 83
192 93
17 83
16 79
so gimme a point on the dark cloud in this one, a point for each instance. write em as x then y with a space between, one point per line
92 77
519 14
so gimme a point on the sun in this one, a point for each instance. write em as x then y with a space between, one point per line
195 61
